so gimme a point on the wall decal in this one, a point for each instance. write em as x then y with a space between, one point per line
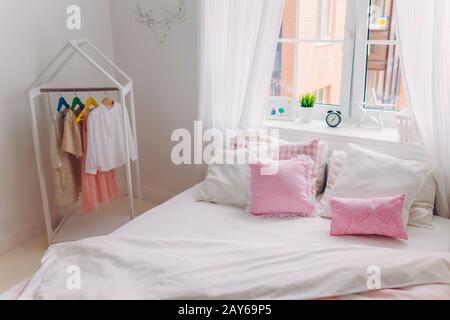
161 27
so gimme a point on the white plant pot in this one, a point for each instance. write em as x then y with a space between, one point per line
305 114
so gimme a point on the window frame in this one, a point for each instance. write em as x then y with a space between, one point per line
329 17
354 65
347 62
362 43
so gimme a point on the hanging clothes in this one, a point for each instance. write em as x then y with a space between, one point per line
65 174
72 144
71 141
99 188
106 139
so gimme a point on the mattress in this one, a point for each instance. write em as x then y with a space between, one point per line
182 217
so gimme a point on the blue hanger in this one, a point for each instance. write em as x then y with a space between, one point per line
62 102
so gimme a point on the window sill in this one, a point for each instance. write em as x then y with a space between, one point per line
347 132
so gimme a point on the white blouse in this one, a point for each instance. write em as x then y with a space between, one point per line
106 147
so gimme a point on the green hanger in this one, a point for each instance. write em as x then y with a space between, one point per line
76 102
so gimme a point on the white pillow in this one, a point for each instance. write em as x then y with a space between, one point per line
421 212
368 174
226 184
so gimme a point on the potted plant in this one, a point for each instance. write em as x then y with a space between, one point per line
306 107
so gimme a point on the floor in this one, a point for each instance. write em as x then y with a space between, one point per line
21 262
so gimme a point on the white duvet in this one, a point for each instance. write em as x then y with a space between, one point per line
124 267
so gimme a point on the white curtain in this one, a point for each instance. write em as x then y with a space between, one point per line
238 40
424 35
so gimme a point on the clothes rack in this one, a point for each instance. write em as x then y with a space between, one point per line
41 87
93 89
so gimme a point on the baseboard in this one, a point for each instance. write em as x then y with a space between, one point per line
29 231
157 196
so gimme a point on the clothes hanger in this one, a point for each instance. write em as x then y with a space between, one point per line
107 101
62 103
89 102
76 102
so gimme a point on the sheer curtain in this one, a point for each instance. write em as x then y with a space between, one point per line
238 42
424 35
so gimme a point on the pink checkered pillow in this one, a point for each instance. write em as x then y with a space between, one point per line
310 149
253 139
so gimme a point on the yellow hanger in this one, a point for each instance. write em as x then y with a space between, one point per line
89 102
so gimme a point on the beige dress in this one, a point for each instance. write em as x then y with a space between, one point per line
66 176
71 139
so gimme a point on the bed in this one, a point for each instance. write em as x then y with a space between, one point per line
242 252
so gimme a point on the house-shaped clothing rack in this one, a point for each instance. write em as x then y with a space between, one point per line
41 87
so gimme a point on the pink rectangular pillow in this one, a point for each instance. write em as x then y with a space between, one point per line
374 216
286 193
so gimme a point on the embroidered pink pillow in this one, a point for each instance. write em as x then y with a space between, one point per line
285 193
375 216
310 149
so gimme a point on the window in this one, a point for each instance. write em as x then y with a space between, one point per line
310 52
324 19
384 84
322 94
319 52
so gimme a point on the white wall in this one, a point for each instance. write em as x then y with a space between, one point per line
31 33
165 80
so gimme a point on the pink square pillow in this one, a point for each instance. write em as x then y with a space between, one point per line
374 216
285 193
310 149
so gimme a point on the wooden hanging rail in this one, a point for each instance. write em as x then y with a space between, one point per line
93 89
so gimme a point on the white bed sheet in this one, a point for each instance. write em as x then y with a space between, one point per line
182 217
14 292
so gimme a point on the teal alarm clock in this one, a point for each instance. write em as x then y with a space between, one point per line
334 118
